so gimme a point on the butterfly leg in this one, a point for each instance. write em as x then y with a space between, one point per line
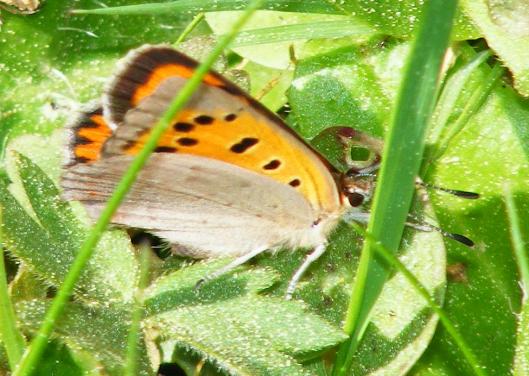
232 265
311 257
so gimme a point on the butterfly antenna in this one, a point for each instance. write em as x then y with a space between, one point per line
455 192
429 228
363 217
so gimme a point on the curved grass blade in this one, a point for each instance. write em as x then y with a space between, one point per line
400 164
34 352
195 6
302 31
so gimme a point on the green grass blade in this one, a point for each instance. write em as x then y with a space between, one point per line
131 363
189 28
521 359
520 253
450 93
303 31
11 337
33 354
392 260
195 6
480 94
400 164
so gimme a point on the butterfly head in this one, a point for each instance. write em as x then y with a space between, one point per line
357 189
362 157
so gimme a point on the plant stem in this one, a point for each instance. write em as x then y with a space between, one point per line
189 28
34 352
131 363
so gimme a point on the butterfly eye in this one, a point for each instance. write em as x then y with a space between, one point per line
355 199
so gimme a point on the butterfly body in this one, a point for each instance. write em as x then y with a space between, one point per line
228 178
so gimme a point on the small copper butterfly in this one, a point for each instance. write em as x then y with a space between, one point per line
228 179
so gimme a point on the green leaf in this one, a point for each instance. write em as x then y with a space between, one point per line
504 26
244 333
402 325
178 288
48 238
400 18
248 335
352 93
269 35
58 360
27 285
101 332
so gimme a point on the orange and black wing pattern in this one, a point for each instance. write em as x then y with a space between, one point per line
87 135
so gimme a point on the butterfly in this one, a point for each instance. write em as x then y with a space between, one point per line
228 179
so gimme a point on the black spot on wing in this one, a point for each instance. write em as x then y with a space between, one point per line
204 120
295 182
187 141
165 149
272 165
230 117
81 140
183 127
244 145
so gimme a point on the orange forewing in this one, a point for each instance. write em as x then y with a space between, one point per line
245 142
161 73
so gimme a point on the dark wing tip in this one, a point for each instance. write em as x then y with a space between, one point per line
133 71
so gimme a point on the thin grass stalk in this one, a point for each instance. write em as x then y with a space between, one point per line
131 361
195 6
401 161
303 31
12 339
34 352
522 259
189 28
